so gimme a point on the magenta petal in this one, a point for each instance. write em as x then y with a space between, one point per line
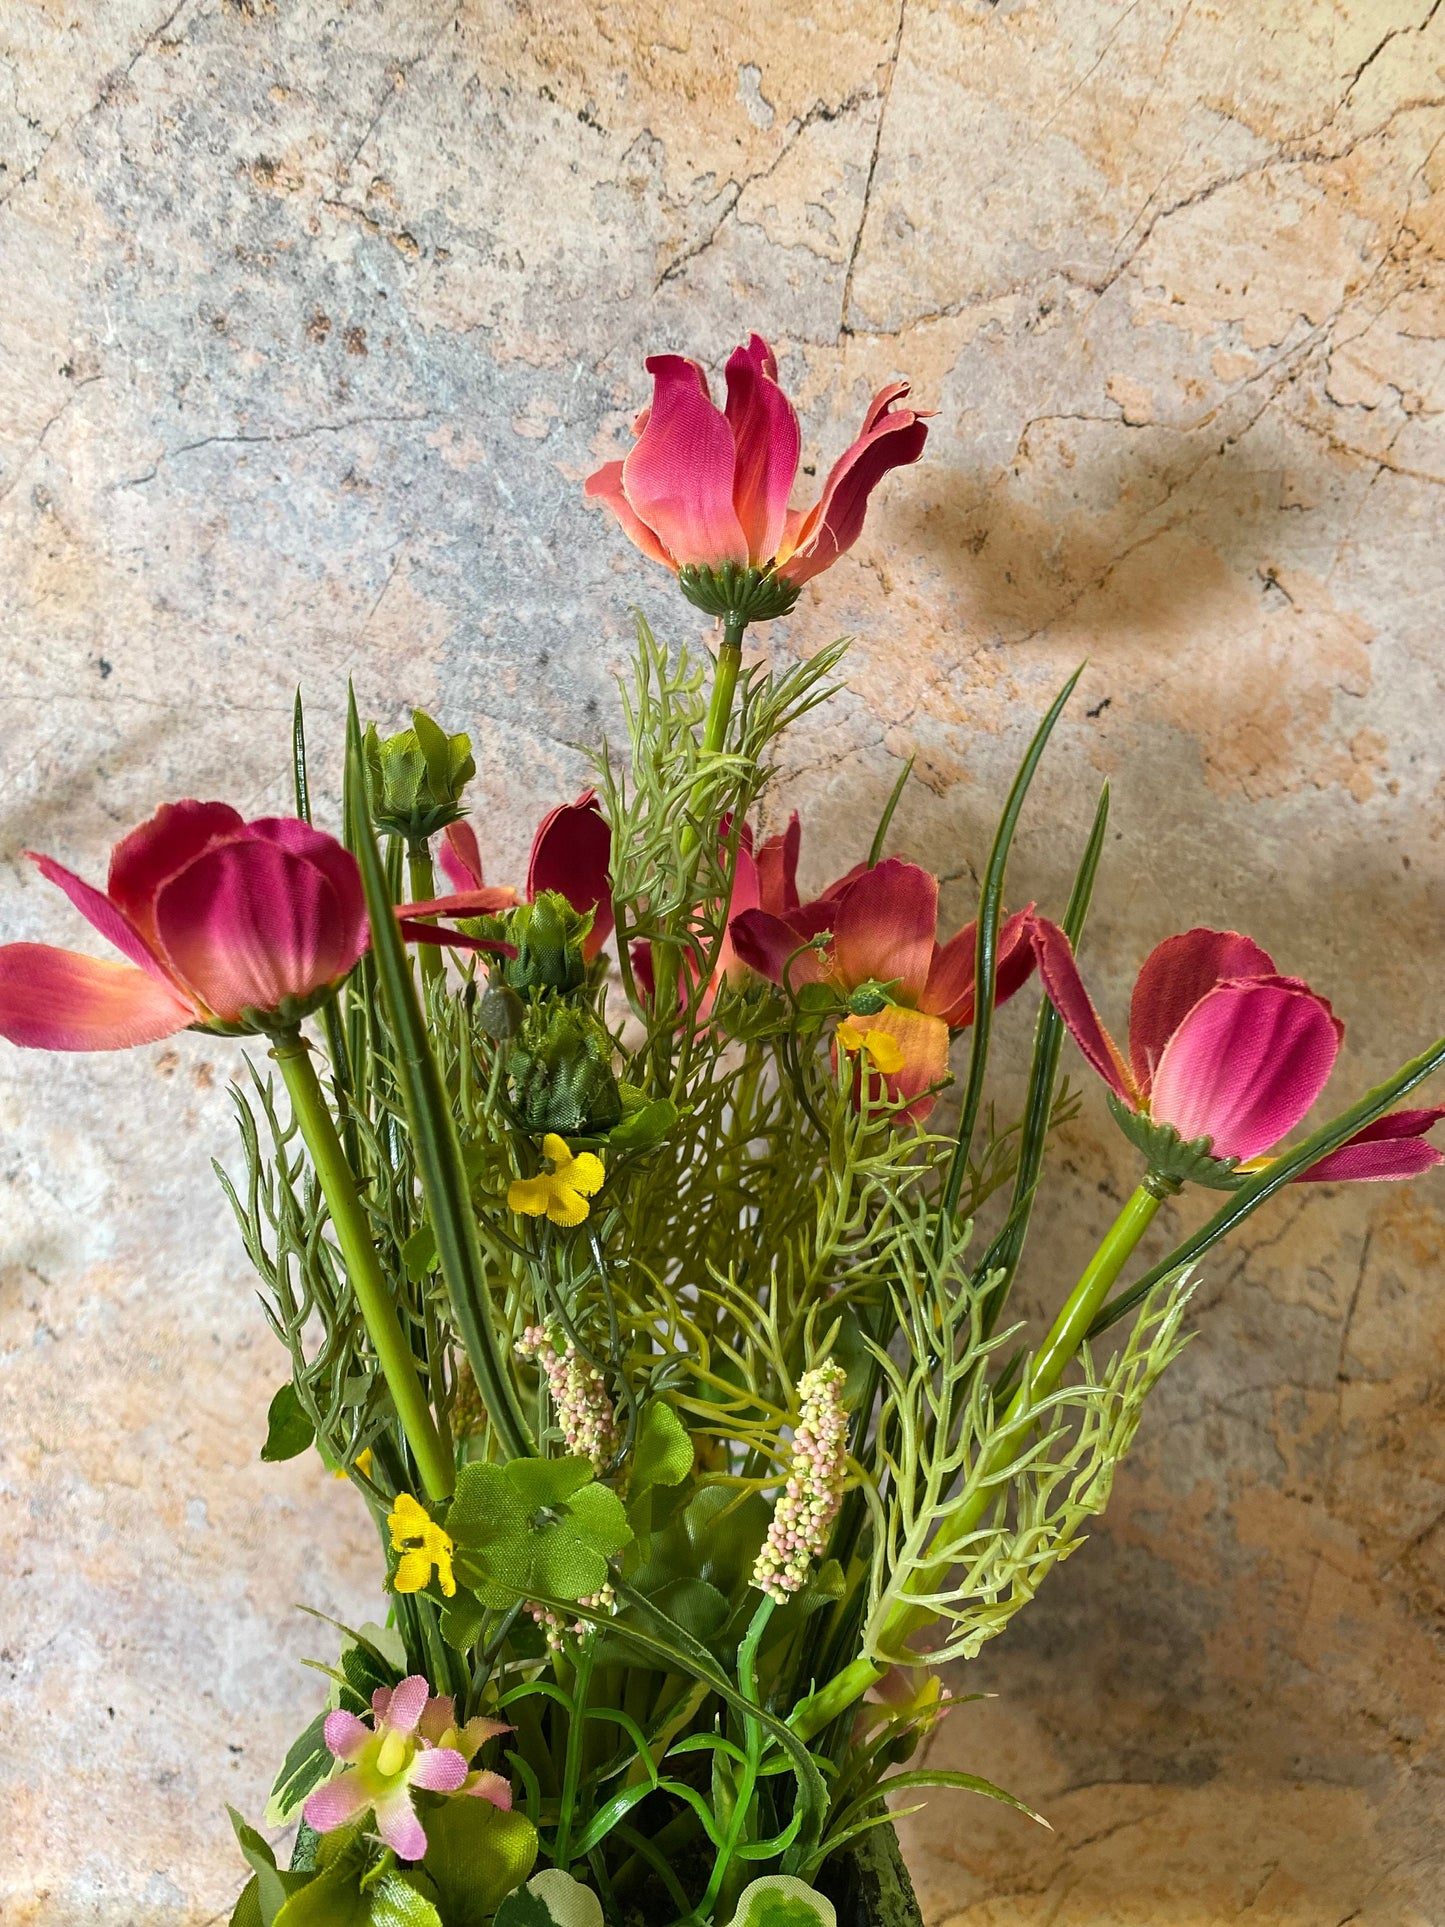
439 934
889 441
1065 990
1246 1064
460 857
408 1703
486 902
777 861
336 1803
440 1769
336 864
1391 1147
491 1786
101 914
570 854
248 924
605 486
346 1736
151 855
767 443
949 992
1174 976
678 476
62 1000
399 1827
765 942
883 929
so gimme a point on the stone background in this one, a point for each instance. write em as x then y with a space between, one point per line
313 316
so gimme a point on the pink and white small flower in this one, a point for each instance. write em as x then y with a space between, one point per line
412 1744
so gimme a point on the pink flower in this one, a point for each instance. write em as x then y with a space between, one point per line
222 921
883 957
412 1743
707 487
764 879
1223 1047
570 854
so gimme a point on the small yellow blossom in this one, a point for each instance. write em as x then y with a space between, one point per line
883 1050
422 1545
562 1190
361 1464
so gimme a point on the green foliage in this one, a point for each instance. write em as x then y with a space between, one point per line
780 1900
289 1430
476 1856
415 779
535 1529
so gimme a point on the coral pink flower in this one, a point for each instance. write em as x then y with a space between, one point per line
222 921
412 1743
570 854
1223 1047
707 487
884 958
765 879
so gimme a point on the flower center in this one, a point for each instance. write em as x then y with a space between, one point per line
393 1756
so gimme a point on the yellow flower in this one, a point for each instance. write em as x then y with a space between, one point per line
361 1464
883 1051
422 1545
563 1189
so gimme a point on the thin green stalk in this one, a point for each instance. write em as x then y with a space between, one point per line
353 1234
572 1763
422 878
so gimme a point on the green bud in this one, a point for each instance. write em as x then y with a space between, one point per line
416 777
500 1012
562 1078
868 999
548 934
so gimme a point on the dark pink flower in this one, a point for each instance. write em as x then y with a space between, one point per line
570 854
707 487
1223 1047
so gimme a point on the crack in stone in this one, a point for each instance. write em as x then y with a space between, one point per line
286 435
30 453
1375 52
400 74
845 325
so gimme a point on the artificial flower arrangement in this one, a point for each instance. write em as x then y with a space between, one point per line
639 1298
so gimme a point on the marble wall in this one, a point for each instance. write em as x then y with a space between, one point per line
314 314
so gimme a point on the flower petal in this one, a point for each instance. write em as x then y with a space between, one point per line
408 1703
102 915
767 443
1246 1064
460 857
1391 1147
440 1769
765 942
585 1173
336 864
883 929
249 924
949 991
61 1000
888 441
1065 990
605 486
678 476
1175 975
399 1827
477 1731
150 856
491 1786
346 1736
777 861
437 1717
923 1041
336 1803
570 854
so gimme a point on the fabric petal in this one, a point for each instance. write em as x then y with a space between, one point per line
1065 990
491 1786
485 902
477 1731
460 857
249 924
346 1736
923 1040
586 1173
336 864
605 486
883 929
437 1717
1175 975
102 915
440 1769
765 943
949 991
62 1000
570 854
399 1827
151 855
337 1803
437 933
888 441
1391 1147
767 443
678 476
1246 1064
408 1703
777 861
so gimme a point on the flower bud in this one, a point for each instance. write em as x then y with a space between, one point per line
549 934
500 1012
416 778
562 1078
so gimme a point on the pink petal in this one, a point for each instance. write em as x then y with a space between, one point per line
642 968
336 1803
1065 990
491 1786
924 1042
151 855
478 1730
408 1703
1246 1064
570 854
333 860
767 444
949 990
883 929
346 1736
746 887
1391 1147
438 1714
678 476
484 902
380 1700
1174 977
777 861
440 1769
399 1827
888 441
61 1000
249 924
437 933
605 486
101 914
764 943
460 857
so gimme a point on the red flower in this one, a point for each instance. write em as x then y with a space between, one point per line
570 854
1223 1047
222 920
884 953
764 878
707 487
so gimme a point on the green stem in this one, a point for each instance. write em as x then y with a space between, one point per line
368 1281
572 1765
422 878
1065 1336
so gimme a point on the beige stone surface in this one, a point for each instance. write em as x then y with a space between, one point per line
312 318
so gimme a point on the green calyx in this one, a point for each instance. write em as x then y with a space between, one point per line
737 594
562 1077
868 999
535 1529
549 934
415 779
1173 1162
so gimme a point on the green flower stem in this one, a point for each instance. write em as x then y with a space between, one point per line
422 878
363 1267
1064 1339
